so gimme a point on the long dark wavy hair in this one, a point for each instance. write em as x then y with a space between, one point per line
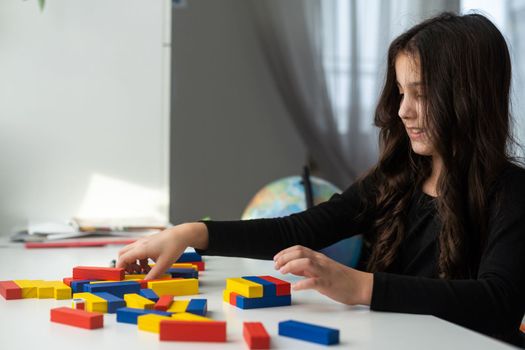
466 71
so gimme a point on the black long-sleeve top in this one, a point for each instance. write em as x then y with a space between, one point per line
493 302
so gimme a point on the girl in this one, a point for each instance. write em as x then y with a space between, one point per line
442 212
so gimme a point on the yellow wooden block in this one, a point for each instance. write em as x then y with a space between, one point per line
181 266
226 296
244 287
138 301
29 288
151 322
185 286
178 306
186 316
45 290
93 303
138 277
96 282
61 290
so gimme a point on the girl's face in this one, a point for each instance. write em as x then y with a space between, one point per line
412 106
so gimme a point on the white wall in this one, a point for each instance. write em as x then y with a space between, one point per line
230 131
84 120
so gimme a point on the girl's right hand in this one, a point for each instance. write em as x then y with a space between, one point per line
164 248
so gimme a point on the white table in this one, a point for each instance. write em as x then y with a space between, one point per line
24 324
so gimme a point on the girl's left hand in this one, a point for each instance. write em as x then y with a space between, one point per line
328 277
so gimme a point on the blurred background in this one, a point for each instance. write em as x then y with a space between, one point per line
168 111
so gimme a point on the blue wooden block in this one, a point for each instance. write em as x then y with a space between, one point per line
189 257
114 302
78 286
130 315
183 273
309 332
269 288
149 294
255 303
198 307
118 289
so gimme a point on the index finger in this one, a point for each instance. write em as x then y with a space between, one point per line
161 265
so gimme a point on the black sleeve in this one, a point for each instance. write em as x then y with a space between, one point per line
494 303
316 228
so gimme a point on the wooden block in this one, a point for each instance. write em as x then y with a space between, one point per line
144 283
130 315
269 288
255 335
113 302
185 316
149 294
229 297
175 287
29 288
282 287
77 318
10 290
181 265
118 289
137 301
183 272
164 303
93 303
214 331
178 306
44 290
256 303
150 322
198 307
67 281
61 291
189 257
244 287
77 286
139 277
99 273
78 303
309 332
199 265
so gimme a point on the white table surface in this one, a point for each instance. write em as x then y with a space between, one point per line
24 324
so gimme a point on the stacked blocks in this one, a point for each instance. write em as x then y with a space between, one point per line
309 332
191 258
252 292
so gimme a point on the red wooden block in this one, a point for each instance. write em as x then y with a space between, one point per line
67 281
200 264
163 303
77 318
255 335
233 298
10 290
282 287
212 331
98 273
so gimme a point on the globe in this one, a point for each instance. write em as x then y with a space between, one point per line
287 196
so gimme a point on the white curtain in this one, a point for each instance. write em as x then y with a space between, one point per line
328 60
